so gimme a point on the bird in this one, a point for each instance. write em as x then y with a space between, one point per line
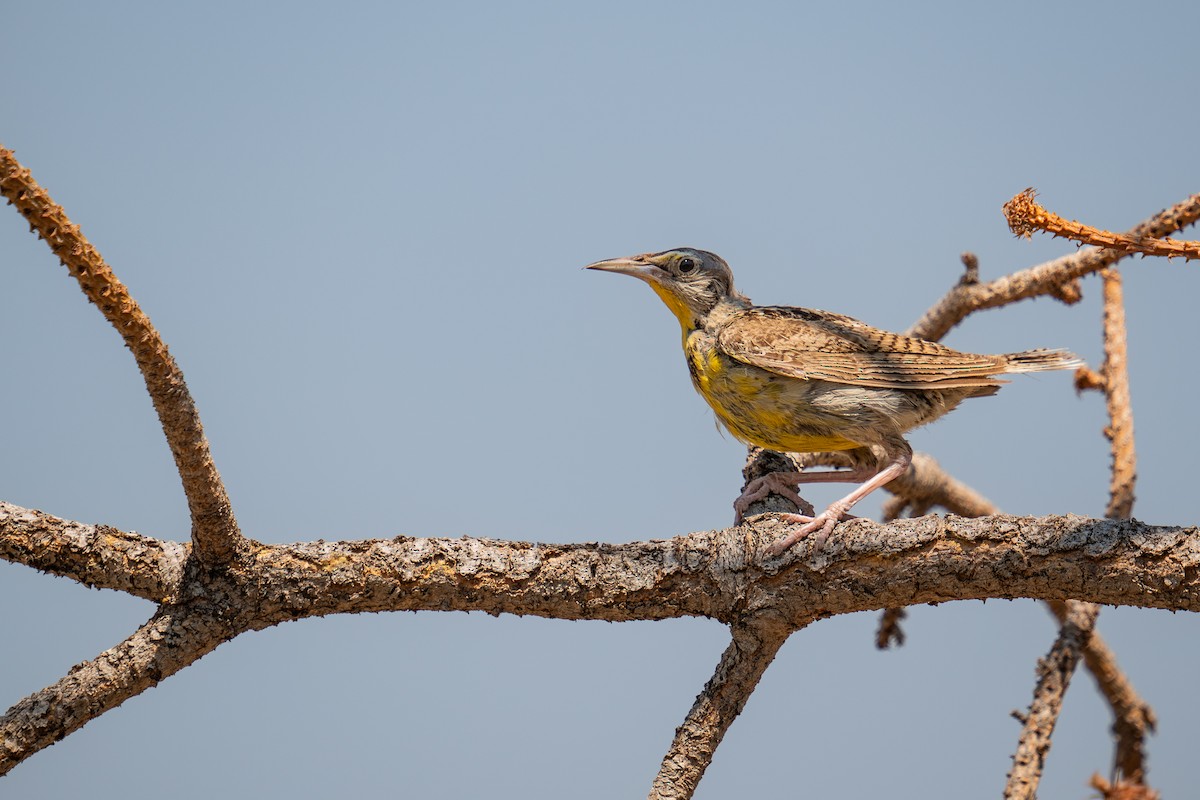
800 380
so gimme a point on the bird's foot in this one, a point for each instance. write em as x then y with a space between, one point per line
822 524
780 483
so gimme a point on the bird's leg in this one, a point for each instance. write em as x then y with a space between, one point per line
784 484
824 522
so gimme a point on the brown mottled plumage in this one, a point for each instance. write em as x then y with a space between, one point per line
801 380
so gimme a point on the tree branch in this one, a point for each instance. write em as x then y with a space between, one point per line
94 555
1054 676
716 574
1025 215
214 529
1115 371
1133 716
1043 279
742 665
170 641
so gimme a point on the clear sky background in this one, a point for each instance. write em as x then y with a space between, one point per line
360 228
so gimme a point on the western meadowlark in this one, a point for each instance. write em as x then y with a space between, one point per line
798 380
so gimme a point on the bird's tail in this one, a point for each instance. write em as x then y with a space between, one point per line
1042 360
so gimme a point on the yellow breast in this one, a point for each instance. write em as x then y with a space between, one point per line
757 406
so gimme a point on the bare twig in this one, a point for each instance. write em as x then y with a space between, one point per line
1116 393
1054 676
1133 716
1045 278
1087 379
1025 216
724 696
214 529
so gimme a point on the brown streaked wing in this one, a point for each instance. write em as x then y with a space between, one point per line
818 345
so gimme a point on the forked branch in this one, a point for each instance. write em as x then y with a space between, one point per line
1044 279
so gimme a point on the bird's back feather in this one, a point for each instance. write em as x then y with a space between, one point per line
809 344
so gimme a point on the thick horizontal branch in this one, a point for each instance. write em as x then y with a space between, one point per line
719 574
723 575
94 555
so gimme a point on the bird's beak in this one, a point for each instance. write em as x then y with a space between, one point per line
636 266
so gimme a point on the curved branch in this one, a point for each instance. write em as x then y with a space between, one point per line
94 555
214 529
724 696
1043 279
168 642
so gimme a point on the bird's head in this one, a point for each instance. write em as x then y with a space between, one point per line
691 282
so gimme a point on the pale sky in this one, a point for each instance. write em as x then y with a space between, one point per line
360 229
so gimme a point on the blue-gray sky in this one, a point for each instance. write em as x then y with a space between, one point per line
360 231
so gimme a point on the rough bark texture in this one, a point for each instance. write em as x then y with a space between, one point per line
1134 719
717 574
214 529
742 665
170 641
94 555
1054 677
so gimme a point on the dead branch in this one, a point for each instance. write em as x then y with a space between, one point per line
715 574
170 641
1043 279
1054 677
94 555
742 665
1133 719
1025 216
1116 394
214 529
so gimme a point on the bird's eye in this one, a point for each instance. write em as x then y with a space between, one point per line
686 265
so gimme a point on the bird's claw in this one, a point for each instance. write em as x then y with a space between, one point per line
822 524
757 489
